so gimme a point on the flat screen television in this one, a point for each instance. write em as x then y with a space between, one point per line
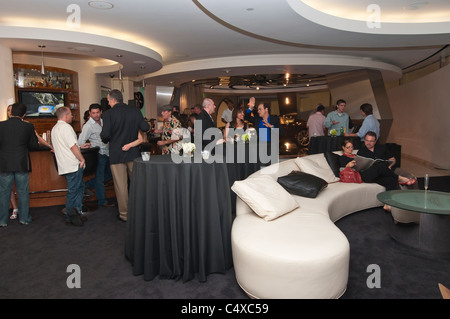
42 103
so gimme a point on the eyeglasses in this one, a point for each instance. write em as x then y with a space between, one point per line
369 141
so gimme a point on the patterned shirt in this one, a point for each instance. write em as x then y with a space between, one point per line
168 129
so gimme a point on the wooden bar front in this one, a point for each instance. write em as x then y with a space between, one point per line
46 187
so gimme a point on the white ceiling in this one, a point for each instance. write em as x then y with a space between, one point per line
175 41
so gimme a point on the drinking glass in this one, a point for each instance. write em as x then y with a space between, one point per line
426 181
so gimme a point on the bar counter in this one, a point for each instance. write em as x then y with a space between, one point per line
46 187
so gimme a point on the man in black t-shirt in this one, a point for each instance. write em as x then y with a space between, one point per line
372 150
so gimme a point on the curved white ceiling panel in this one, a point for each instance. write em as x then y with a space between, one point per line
72 42
374 17
305 62
290 24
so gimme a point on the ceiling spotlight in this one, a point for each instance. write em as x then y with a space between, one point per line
103 5
416 5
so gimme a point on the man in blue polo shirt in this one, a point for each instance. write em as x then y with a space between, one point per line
370 123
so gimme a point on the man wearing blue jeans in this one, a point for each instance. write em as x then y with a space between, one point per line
91 132
16 139
70 164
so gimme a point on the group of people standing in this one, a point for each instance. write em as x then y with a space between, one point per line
234 117
339 121
116 132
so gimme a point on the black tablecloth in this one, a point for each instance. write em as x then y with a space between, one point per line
322 144
180 216
240 164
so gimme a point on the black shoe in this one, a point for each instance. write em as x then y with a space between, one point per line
122 220
108 205
88 192
75 217
83 217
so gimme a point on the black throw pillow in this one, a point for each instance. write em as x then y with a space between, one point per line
333 161
302 184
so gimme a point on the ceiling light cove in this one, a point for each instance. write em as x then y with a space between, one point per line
387 11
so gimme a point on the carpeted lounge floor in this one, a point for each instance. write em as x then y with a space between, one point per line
34 261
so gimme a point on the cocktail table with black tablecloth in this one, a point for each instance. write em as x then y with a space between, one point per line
180 217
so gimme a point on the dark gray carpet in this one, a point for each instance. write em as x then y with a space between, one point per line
34 261
405 273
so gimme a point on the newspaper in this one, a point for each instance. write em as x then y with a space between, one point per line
363 163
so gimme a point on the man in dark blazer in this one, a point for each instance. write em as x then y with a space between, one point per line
121 125
16 139
206 121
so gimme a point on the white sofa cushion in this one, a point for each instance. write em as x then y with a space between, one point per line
265 196
317 165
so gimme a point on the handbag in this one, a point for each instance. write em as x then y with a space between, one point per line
349 175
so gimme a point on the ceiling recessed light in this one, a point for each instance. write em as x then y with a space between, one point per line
416 5
84 49
119 55
103 5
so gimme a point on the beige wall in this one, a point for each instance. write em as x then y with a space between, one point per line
421 114
7 95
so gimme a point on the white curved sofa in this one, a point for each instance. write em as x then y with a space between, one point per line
300 254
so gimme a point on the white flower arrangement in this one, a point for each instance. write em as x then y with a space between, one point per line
188 148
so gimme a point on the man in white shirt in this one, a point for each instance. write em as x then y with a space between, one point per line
91 132
315 122
227 114
70 164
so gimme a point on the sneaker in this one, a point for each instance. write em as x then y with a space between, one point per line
75 217
14 214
